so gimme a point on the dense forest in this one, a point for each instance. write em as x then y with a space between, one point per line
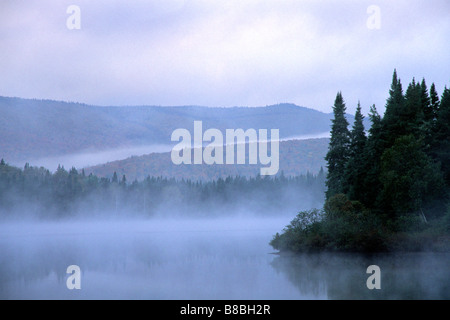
387 188
36 192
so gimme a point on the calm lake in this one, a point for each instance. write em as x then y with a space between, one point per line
223 259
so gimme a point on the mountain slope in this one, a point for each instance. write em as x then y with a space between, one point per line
296 157
30 129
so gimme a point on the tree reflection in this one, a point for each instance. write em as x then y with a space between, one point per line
342 276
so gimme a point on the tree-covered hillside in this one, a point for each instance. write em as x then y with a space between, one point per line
33 129
297 157
387 190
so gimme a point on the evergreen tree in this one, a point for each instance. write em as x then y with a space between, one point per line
441 135
60 190
123 182
434 101
393 120
373 150
412 116
354 172
409 182
115 179
338 150
427 109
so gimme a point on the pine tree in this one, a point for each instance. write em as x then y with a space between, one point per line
355 166
338 150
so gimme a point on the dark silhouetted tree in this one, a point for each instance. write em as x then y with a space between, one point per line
373 150
338 150
441 135
115 179
354 171
434 101
409 177
393 120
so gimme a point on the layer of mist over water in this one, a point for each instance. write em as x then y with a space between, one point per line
147 259
222 258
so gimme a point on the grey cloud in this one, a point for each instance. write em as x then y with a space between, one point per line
220 53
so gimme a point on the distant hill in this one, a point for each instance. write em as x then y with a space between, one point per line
296 157
31 129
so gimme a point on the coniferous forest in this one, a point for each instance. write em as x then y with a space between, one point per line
35 192
387 188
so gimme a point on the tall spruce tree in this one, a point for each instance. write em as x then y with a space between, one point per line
427 109
338 150
434 100
441 135
412 117
373 150
393 120
354 172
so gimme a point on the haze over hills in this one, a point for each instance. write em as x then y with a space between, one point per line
33 129
296 157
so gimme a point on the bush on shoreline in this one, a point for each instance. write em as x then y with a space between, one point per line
345 225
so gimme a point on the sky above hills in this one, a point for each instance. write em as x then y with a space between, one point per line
221 53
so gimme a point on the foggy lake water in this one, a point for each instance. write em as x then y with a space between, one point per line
220 259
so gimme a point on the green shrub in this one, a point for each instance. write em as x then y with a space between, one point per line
343 226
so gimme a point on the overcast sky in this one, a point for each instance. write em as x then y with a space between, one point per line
221 53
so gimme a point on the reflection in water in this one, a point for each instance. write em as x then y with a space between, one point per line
343 276
153 259
226 259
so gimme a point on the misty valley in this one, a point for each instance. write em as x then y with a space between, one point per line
157 238
364 214
225 150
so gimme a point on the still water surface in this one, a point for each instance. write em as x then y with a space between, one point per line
197 259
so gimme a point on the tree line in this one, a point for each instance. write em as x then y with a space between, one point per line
37 192
388 186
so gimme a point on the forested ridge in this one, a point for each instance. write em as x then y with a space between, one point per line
56 128
388 188
297 157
